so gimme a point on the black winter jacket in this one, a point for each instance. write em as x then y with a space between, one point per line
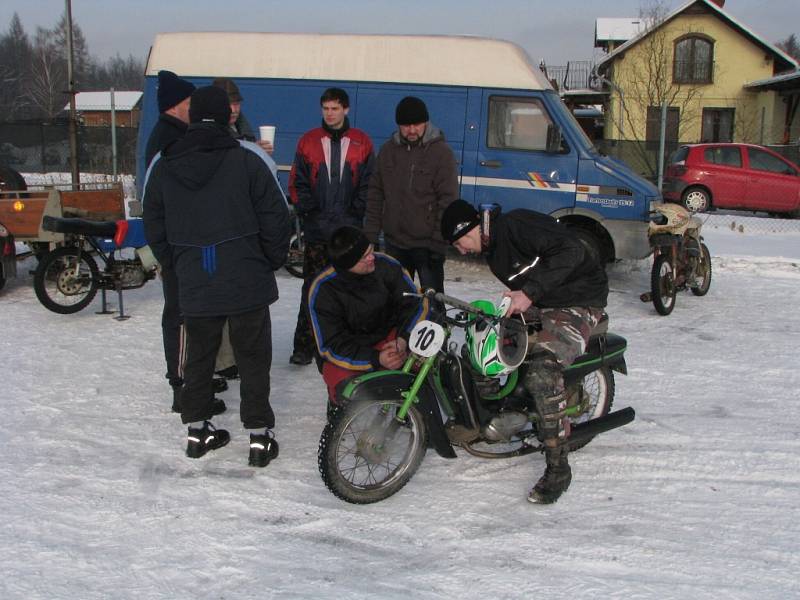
166 130
214 213
565 274
351 313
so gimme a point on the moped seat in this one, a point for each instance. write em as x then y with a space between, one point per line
104 229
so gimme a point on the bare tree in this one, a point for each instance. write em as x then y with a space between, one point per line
48 75
647 77
790 46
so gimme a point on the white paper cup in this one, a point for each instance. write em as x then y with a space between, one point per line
267 133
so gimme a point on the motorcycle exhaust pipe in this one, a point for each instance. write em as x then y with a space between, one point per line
589 429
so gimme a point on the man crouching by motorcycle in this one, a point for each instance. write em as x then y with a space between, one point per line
545 265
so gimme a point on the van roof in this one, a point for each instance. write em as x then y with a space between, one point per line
422 59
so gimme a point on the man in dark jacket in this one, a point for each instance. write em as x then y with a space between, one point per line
214 212
546 265
173 95
415 179
328 185
361 318
173 106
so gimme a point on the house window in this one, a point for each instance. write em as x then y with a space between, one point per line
694 60
518 123
654 126
717 125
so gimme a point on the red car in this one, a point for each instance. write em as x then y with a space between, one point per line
739 176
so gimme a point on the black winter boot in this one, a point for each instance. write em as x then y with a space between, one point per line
200 441
263 448
556 479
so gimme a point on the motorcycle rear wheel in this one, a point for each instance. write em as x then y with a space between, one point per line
599 386
365 455
703 272
662 285
295 258
63 284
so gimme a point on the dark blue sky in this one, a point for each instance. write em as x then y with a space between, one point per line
555 31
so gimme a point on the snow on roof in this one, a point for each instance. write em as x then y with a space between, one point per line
102 100
442 60
618 29
721 13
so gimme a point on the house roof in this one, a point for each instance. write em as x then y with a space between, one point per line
102 100
788 61
784 81
423 59
617 29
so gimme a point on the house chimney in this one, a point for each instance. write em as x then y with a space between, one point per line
719 3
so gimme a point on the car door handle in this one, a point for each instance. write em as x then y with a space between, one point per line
492 164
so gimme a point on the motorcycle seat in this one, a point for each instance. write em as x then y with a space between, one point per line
104 229
602 350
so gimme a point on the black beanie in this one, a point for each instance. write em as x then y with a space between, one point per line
348 244
410 111
210 104
172 90
458 219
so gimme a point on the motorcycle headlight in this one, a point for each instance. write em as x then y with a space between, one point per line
3 231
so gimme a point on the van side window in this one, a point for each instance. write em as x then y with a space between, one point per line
723 155
762 161
517 123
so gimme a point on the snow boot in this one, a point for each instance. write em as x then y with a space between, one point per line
217 406
557 476
219 385
301 358
200 441
263 448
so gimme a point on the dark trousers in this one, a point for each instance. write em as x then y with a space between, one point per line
315 258
427 264
251 339
171 322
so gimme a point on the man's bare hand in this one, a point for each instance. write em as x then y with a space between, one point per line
519 302
393 354
266 146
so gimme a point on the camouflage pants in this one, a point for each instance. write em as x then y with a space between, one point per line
564 335
315 258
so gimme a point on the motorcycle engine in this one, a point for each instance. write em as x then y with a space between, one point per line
505 425
129 273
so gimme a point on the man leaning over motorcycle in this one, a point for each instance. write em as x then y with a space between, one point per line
544 265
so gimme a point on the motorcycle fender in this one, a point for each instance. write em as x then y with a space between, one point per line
618 364
388 385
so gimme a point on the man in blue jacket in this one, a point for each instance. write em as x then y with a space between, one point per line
215 214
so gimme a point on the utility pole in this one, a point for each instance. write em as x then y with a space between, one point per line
73 117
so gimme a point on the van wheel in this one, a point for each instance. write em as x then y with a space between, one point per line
592 242
696 199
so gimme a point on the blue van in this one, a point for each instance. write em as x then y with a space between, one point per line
516 142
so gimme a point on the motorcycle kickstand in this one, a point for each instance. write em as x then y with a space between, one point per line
103 304
122 316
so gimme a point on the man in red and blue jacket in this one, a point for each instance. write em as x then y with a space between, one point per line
328 186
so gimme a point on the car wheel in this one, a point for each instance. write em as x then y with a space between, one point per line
696 200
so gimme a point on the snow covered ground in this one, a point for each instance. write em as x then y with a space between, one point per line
698 498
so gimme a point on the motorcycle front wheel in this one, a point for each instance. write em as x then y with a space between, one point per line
599 387
366 454
702 272
66 280
662 285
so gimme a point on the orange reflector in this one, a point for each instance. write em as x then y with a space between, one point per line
19 206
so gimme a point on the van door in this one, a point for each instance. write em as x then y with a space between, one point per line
514 167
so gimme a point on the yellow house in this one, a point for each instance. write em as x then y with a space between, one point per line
698 60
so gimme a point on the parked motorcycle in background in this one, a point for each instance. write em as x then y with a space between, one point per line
67 279
681 259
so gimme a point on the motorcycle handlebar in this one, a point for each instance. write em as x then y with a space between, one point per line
466 307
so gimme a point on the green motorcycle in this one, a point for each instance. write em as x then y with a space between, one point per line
377 436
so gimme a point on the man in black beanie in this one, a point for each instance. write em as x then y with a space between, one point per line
361 319
544 264
414 180
215 214
173 113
